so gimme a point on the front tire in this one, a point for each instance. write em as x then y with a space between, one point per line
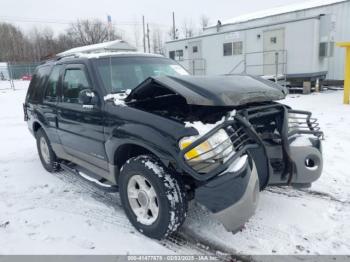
47 156
153 197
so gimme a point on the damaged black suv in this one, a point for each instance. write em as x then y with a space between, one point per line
140 124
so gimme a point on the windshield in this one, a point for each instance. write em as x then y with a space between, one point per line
121 73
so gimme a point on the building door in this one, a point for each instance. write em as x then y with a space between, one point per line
196 63
274 55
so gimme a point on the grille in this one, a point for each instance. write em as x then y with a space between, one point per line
301 122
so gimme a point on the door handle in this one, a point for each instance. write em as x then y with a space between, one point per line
88 107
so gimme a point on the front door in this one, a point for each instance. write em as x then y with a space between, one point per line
80 127
273 52
196 62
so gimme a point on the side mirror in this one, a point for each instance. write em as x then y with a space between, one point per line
88 97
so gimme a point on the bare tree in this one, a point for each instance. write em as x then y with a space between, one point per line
12 43
64 42
204 21
188 28
137 34
157 41
87 32
43 43
170 33
40 44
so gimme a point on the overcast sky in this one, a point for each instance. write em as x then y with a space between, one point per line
58 13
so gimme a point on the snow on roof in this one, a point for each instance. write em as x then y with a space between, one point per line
280 10
117 45
106 54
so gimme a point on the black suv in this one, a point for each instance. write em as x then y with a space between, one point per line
141 124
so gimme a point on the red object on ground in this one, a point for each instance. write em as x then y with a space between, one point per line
26 77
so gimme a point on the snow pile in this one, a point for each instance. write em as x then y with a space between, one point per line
119 53
231 115
301 140
116 45
204 128
117 98
237 164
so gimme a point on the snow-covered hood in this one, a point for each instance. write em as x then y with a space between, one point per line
231 90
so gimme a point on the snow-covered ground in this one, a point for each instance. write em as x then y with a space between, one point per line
43 213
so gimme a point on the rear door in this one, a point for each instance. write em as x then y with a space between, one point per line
80 127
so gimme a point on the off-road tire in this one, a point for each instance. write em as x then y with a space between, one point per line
52 165
170 191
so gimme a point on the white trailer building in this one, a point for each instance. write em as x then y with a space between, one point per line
297 41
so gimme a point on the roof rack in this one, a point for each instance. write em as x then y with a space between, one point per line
111 46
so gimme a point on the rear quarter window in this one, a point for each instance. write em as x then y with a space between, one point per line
37 85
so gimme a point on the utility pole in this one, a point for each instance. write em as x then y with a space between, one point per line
174 30
144 35
109 21
148 40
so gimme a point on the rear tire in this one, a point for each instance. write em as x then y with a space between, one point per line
153 197
47 156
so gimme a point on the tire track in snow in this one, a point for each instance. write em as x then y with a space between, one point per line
294 192
184 239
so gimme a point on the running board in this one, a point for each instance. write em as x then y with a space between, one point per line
89 176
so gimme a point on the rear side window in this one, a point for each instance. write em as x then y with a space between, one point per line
52 84
36 87
75 80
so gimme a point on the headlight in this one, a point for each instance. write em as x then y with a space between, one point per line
217 147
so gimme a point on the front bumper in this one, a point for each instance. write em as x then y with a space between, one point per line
232 197
307 163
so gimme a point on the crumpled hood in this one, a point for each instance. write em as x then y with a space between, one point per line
233 90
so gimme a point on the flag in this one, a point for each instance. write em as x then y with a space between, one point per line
109 20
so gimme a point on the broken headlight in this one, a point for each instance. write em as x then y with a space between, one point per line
217 147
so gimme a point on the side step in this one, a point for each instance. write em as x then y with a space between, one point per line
101 182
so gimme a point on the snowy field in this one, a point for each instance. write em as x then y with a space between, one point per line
43 213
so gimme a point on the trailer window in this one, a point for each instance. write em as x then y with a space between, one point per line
237 48
227 47
179 55
172 55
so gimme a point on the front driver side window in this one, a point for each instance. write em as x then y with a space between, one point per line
75 80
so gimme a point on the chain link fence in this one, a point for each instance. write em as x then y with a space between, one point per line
12 72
